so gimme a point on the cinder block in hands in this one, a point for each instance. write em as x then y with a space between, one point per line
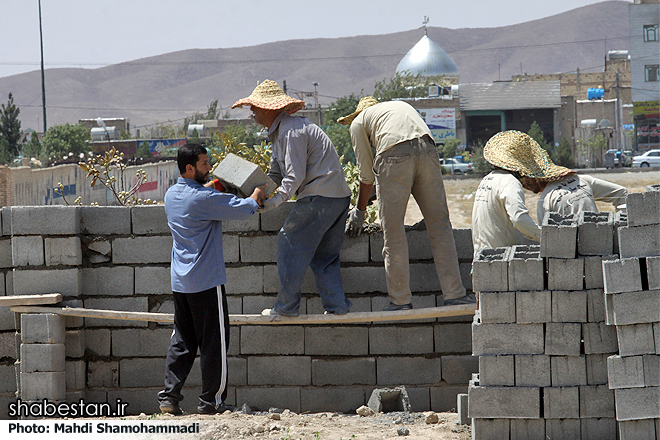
623 275
236 172
595 233
526 268
643 208
490 270
558 236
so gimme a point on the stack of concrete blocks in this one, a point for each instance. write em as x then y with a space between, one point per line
632 292
541 336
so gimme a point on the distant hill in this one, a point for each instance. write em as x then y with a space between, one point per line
173 85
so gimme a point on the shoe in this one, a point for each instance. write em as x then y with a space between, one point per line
273 312
169 407
467 299
394 307
206 409
221 408
335 313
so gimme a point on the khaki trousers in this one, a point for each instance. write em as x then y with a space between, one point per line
413 167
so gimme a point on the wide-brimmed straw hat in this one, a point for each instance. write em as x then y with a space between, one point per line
269 96
517 151
365 102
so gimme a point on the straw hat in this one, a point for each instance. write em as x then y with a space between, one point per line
269 96
516 151
365 102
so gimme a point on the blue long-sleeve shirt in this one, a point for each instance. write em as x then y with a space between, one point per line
195 215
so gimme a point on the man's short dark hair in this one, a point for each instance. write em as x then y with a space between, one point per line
188 154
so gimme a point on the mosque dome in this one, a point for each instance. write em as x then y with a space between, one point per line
426 58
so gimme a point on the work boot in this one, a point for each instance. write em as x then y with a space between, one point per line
463 300
170 407
395 307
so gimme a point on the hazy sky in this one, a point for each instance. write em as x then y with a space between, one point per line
93 33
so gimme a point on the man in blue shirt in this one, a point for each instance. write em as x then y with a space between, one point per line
201 319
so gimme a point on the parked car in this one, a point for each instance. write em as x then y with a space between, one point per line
627 158
455 167
649 159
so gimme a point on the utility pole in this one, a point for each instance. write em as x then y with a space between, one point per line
618 117
43 76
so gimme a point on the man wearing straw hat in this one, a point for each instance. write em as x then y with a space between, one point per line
499 215
304 163
406 163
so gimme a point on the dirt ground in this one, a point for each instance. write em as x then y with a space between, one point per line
460 195
321 426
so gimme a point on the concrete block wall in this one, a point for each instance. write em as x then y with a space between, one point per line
633 307
118 258
542 342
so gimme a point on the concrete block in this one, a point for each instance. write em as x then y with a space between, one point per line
245 279
424 278
355 250
236 372
568 371
127 304
499 371
625 371
504 402
636 307
140 342
497 307
622 275
74 343
528 429
401 340
463 242
142 250
598 429
652 370
27 250
273 220
443 398
596 402
6 253
108 281
6 319
599 338
131 372
49 385
42 328
593 271
653 272
526 268
235 172
8 343
230 248
30 282
565 274
99 250
149 219
609 309
564 429
7 379
282 340
491 270
279 370
105 220
331 341
462 408
269 397
363 279
595 305
453 338
558 236
635 339
459 369
637 430
569 306
258 248
150 280
533 307
47 220
98 341
656 333
466 275
640 241
409 370
254 304
76 375
103 374
64 251
490 429
595 233
643 208
561 403
637 403
596 369
141 400
532 371
332 399
376 245
492 339
389 399
563 339
344 372
420 398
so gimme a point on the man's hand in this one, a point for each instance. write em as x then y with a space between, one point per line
266 206
258 194
355 221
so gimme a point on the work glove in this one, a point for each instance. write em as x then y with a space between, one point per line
355 221
268 204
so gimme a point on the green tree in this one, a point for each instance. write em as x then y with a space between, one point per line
406 85
481 165
61 140
143 150
33 148
564 156
212 113
449 148
340 134
10 127
536 133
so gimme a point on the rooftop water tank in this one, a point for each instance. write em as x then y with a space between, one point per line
104 133
595 93
201 130
589 122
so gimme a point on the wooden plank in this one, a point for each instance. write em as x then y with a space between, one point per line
401 315
28 300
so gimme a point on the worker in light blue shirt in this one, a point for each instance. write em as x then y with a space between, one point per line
201 319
